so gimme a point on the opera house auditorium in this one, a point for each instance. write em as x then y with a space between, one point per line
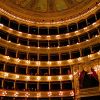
49 49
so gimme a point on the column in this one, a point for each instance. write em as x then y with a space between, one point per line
76 81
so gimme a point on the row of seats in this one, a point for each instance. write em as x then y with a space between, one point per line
86 80
50 57
42 71
35 86
49 30
50 43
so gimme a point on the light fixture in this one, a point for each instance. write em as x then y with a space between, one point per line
57 36
38 78
4 93
16 94
60 78
96 35
48 36
10 29
71 77
28 78
49 78
29 34
17 76
49 62
79 58
9 41
94 23
18 44
76 31
68 45
67 34
38 94
27 94
18 60
96 68
60 93
6 74
20 32
58 47
99 52
38 63
72 93
85 28
28 47
59 62
38 36
75 73
1 25
70 60
7 57
28 62
90 55
49 94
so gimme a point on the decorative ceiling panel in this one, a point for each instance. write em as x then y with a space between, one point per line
60 5
47 10
43 5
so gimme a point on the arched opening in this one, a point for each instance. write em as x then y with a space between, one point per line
88 79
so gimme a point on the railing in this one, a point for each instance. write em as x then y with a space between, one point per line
89 92
38 94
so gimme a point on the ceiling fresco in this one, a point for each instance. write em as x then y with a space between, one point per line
46 5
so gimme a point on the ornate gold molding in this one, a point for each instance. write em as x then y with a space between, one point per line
48 37
89 92
13 93
27 78
79 60
47 50
60 18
